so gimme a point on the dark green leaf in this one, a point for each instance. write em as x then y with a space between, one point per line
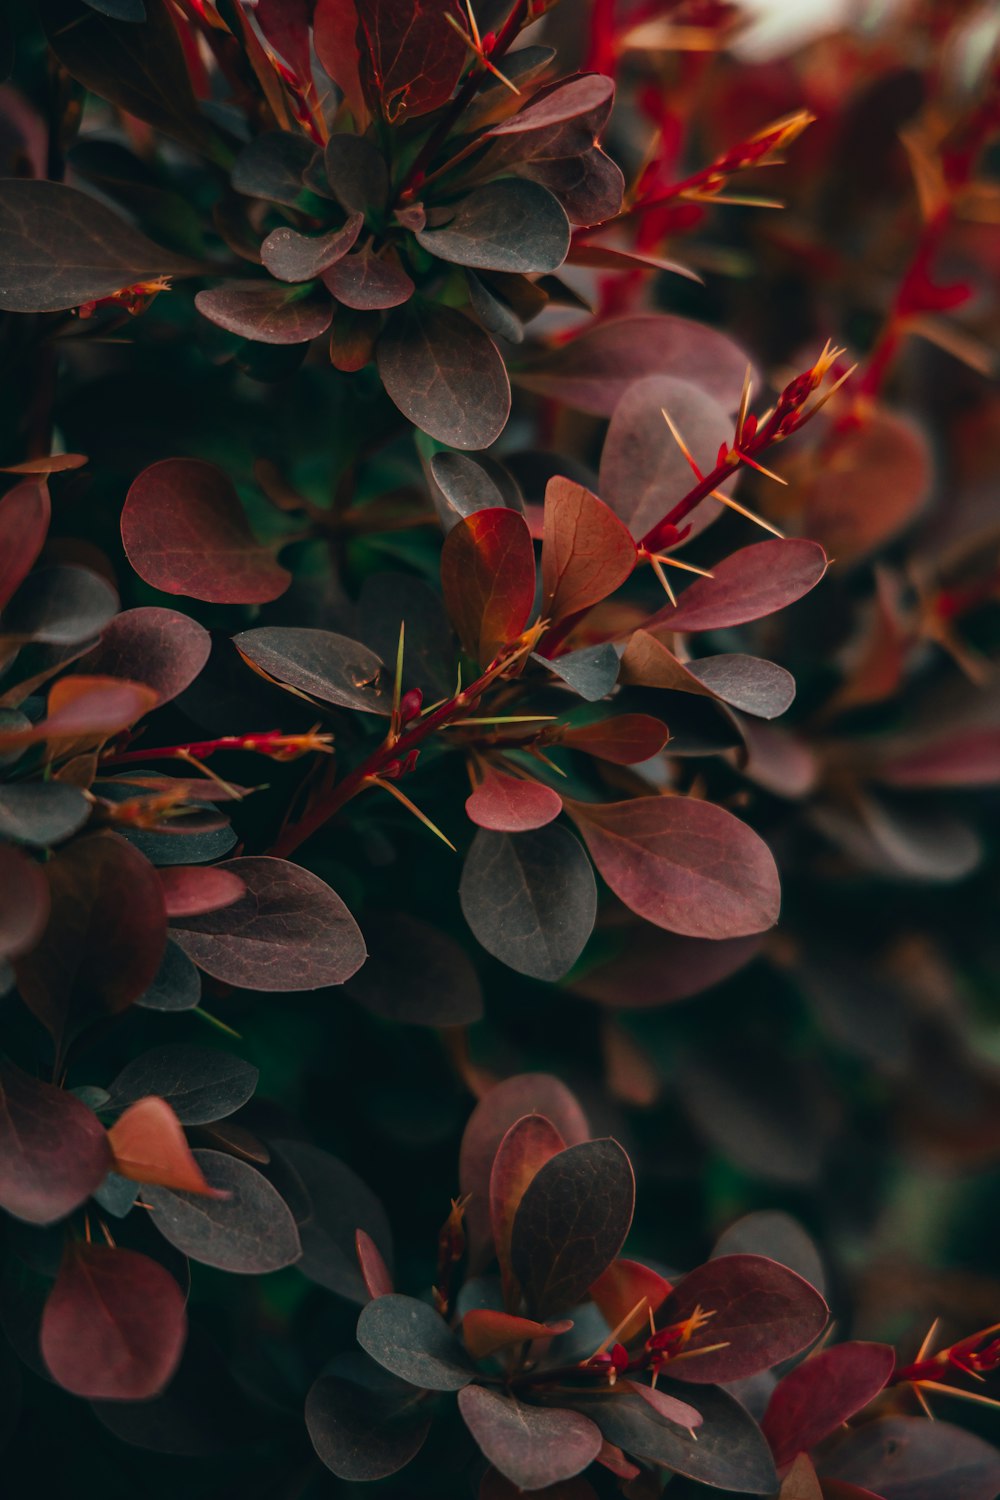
416 974
200 1084
339 1205
591 672
251 1231
509 225
177 985
409 1338
363 1433
41 812
265 313
291 256
330 667
445 374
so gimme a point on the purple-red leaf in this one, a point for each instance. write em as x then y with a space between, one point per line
114 1324
289 931
628 1288
265 313
586 551
961 757
684 865
368 282
594 370
190 890
571 1223
184 532
24 522
486 1332
24 902
374 1272
762 1313
104 940
625 740
821 1394
533 1446
488 580
511 804
160 648
85 709
909 1458
657 968
445 374
747 585
412 53
291 256
53 1151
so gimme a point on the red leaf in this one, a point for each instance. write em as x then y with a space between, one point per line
585 96
265 312
812 1400
620 1289
626 740
105 937
85 708
415 56
184 532
24 902
963 757
53 1150
747 585
510 804
374 1271
189 890
285 24
335 31
528 1145
586 551
532 1446
488 580
496 1112
24 522
762 1313
684 865
486 1331
367 282
114 1325
594 370
675 1411
160 648
149 1145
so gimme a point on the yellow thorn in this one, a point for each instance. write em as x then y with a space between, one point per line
502 719
397 682
227 787
662 577
741 415
214 1021
954 1390
681 443
411 807
675 562
768 473
750 515
612 1336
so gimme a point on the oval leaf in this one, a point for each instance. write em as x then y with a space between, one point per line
265 313
445 374
820 1394
53 1150
200 1084
361 1432
533 1446
747 585
509 225
149 1146
158 647
289 932
586 551
528 1145
409 1338
184 532
571 1223
291 256
684 865
24 523
508 804
249 1231
330 667
114 1324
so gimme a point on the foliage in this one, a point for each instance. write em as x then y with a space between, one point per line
269 276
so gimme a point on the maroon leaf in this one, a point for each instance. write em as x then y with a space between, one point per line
184 532
414 55
445 374
285 24
290 931
747 585
104 940
685 865
335 29
59 606
530 898
374 1271
158 647
493 1116
24 522
593 371
625 740
266 313
820 1394
909 1458
762 1313
412 1341
248 1229
190 890
355 168
24 902
149 1146
85 709
114 1324
643 471
510 225
53 1151
291 256
963 757
586 98
369 282
528 1145
510 804
488 580
588 184
657 968
586 551
571 1223
60 247
486 1332
532 1446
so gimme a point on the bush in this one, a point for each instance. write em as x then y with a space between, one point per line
370 802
